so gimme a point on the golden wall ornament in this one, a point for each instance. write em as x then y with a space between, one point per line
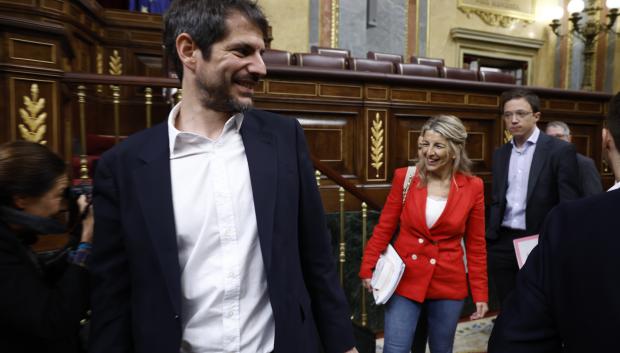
376 143
116 63
33 128
503 13
335 23
507 136
99 66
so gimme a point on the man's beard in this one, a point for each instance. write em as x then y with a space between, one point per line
217 97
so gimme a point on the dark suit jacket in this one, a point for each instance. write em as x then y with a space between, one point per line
553 178
39 312
137 294
589 177
567 292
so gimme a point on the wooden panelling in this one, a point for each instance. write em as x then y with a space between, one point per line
54 5
476 145
29 50
561 105
590 107
448 98
29 3
340 91
407 95
292 88
327 144
377 93
483 100
140 36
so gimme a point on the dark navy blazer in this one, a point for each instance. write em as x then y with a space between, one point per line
566 295
137 296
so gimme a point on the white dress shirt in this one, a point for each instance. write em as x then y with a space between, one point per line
225 302
518 179
615 186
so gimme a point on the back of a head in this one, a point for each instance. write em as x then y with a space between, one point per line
27 169
613 118
205 22
529 96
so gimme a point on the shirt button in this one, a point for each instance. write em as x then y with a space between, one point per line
414 257
420 240
433 261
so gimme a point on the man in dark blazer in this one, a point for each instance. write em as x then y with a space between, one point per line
531 174
589 178
210 232
566 297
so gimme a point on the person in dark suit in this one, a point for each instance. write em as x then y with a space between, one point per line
41 300
576 259
531 174
590 179
210 232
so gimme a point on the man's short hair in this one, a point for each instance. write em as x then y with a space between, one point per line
560 124
529 96
205 22
613 118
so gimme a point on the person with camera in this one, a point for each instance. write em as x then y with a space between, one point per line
41 301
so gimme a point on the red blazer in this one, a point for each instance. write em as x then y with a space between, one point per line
434 267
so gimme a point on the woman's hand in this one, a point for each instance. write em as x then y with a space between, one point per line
88 224
366 284
481 310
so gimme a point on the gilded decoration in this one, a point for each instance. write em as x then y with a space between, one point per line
507 136
116 64
376 143
502 13
33 128
334 23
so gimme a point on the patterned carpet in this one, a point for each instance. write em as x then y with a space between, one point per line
471 336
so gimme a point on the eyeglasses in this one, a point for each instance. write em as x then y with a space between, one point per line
520 114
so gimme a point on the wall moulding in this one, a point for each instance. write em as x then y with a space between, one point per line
502 13
495 45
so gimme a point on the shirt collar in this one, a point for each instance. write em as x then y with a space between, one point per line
178 139
615 187
531 140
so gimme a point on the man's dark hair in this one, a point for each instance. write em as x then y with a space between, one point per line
27 169
613 118
205 22
529 96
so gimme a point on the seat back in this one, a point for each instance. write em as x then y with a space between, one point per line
339 52
496 76
395 58
417 70
277 57
437 62
456 73
324 61
358 64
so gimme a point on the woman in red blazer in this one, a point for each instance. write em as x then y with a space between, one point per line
443 205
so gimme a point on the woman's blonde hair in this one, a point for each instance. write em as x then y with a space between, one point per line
452 129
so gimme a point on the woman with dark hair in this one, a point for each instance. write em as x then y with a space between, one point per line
41 303
443 205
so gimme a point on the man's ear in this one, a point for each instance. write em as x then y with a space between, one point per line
186 48
21 202
608 140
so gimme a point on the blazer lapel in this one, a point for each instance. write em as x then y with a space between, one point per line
260 149
154 190
418 212
502 177
538 161
454 198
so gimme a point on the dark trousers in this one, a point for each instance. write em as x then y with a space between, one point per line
502 261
